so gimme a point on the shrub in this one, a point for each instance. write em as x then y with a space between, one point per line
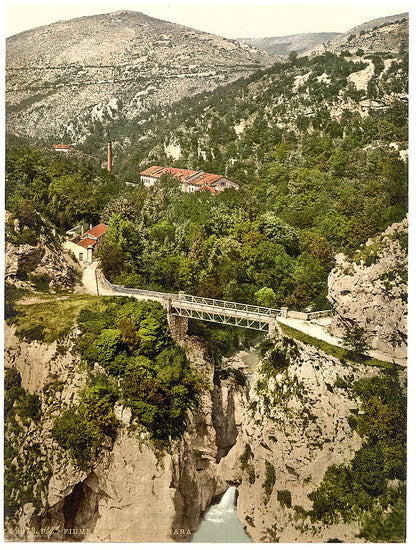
285 498
246 456
355 340
270 479
74 433
30 407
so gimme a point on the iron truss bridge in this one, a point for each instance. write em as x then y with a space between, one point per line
224 312
207 309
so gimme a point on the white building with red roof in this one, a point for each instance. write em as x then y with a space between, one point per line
83 245
191 180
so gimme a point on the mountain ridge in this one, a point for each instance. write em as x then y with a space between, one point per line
113 66
365 38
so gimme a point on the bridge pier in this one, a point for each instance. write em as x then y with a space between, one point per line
178 327
272 328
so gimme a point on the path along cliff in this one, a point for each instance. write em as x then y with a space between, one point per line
320 328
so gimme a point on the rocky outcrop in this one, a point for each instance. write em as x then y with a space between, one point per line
271 428
42 262
370 291
294 425
135 492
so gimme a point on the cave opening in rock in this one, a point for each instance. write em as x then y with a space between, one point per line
80 511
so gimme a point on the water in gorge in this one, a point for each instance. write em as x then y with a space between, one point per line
221 523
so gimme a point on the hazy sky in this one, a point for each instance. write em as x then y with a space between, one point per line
229 19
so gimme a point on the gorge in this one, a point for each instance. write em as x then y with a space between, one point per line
136 420
271 427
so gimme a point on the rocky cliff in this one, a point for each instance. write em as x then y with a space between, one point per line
64 77
294 425
135 492
370 291
35 258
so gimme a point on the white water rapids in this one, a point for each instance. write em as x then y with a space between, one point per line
221 523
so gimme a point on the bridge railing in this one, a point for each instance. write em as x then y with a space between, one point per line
189 299
224 304
137 291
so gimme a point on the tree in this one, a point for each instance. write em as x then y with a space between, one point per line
266 297
356 341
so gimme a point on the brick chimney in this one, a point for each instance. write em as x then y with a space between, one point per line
109 158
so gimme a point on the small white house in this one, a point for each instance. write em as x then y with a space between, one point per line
83 246
63 148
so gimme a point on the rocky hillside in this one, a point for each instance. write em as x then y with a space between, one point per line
64 77
370 291
283 45
36 261
385 34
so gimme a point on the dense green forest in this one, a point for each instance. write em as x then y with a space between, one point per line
42 185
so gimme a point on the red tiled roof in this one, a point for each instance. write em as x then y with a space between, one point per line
205 179
149 171
85 243
96 231
212 190
192 177
176 172
62 146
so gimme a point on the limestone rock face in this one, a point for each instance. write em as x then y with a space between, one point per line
370 291
273 437
294 424
43 259
135 493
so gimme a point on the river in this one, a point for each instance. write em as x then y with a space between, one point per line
221 523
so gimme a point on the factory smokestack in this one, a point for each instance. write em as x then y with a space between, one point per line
109 158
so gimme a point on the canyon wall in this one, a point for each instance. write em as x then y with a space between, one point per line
271 428
136 492
369 291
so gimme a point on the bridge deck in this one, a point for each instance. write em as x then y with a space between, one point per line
207 309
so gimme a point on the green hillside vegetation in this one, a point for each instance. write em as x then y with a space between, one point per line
372 487
63 189
312 183
144 369
318 175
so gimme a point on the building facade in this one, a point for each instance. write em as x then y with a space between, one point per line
84 245
191 180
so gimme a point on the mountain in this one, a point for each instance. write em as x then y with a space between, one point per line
64 77
385 34
283 45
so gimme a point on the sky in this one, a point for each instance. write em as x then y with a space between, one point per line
238 19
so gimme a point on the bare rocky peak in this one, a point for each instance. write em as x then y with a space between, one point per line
63 76
110 38
386 34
